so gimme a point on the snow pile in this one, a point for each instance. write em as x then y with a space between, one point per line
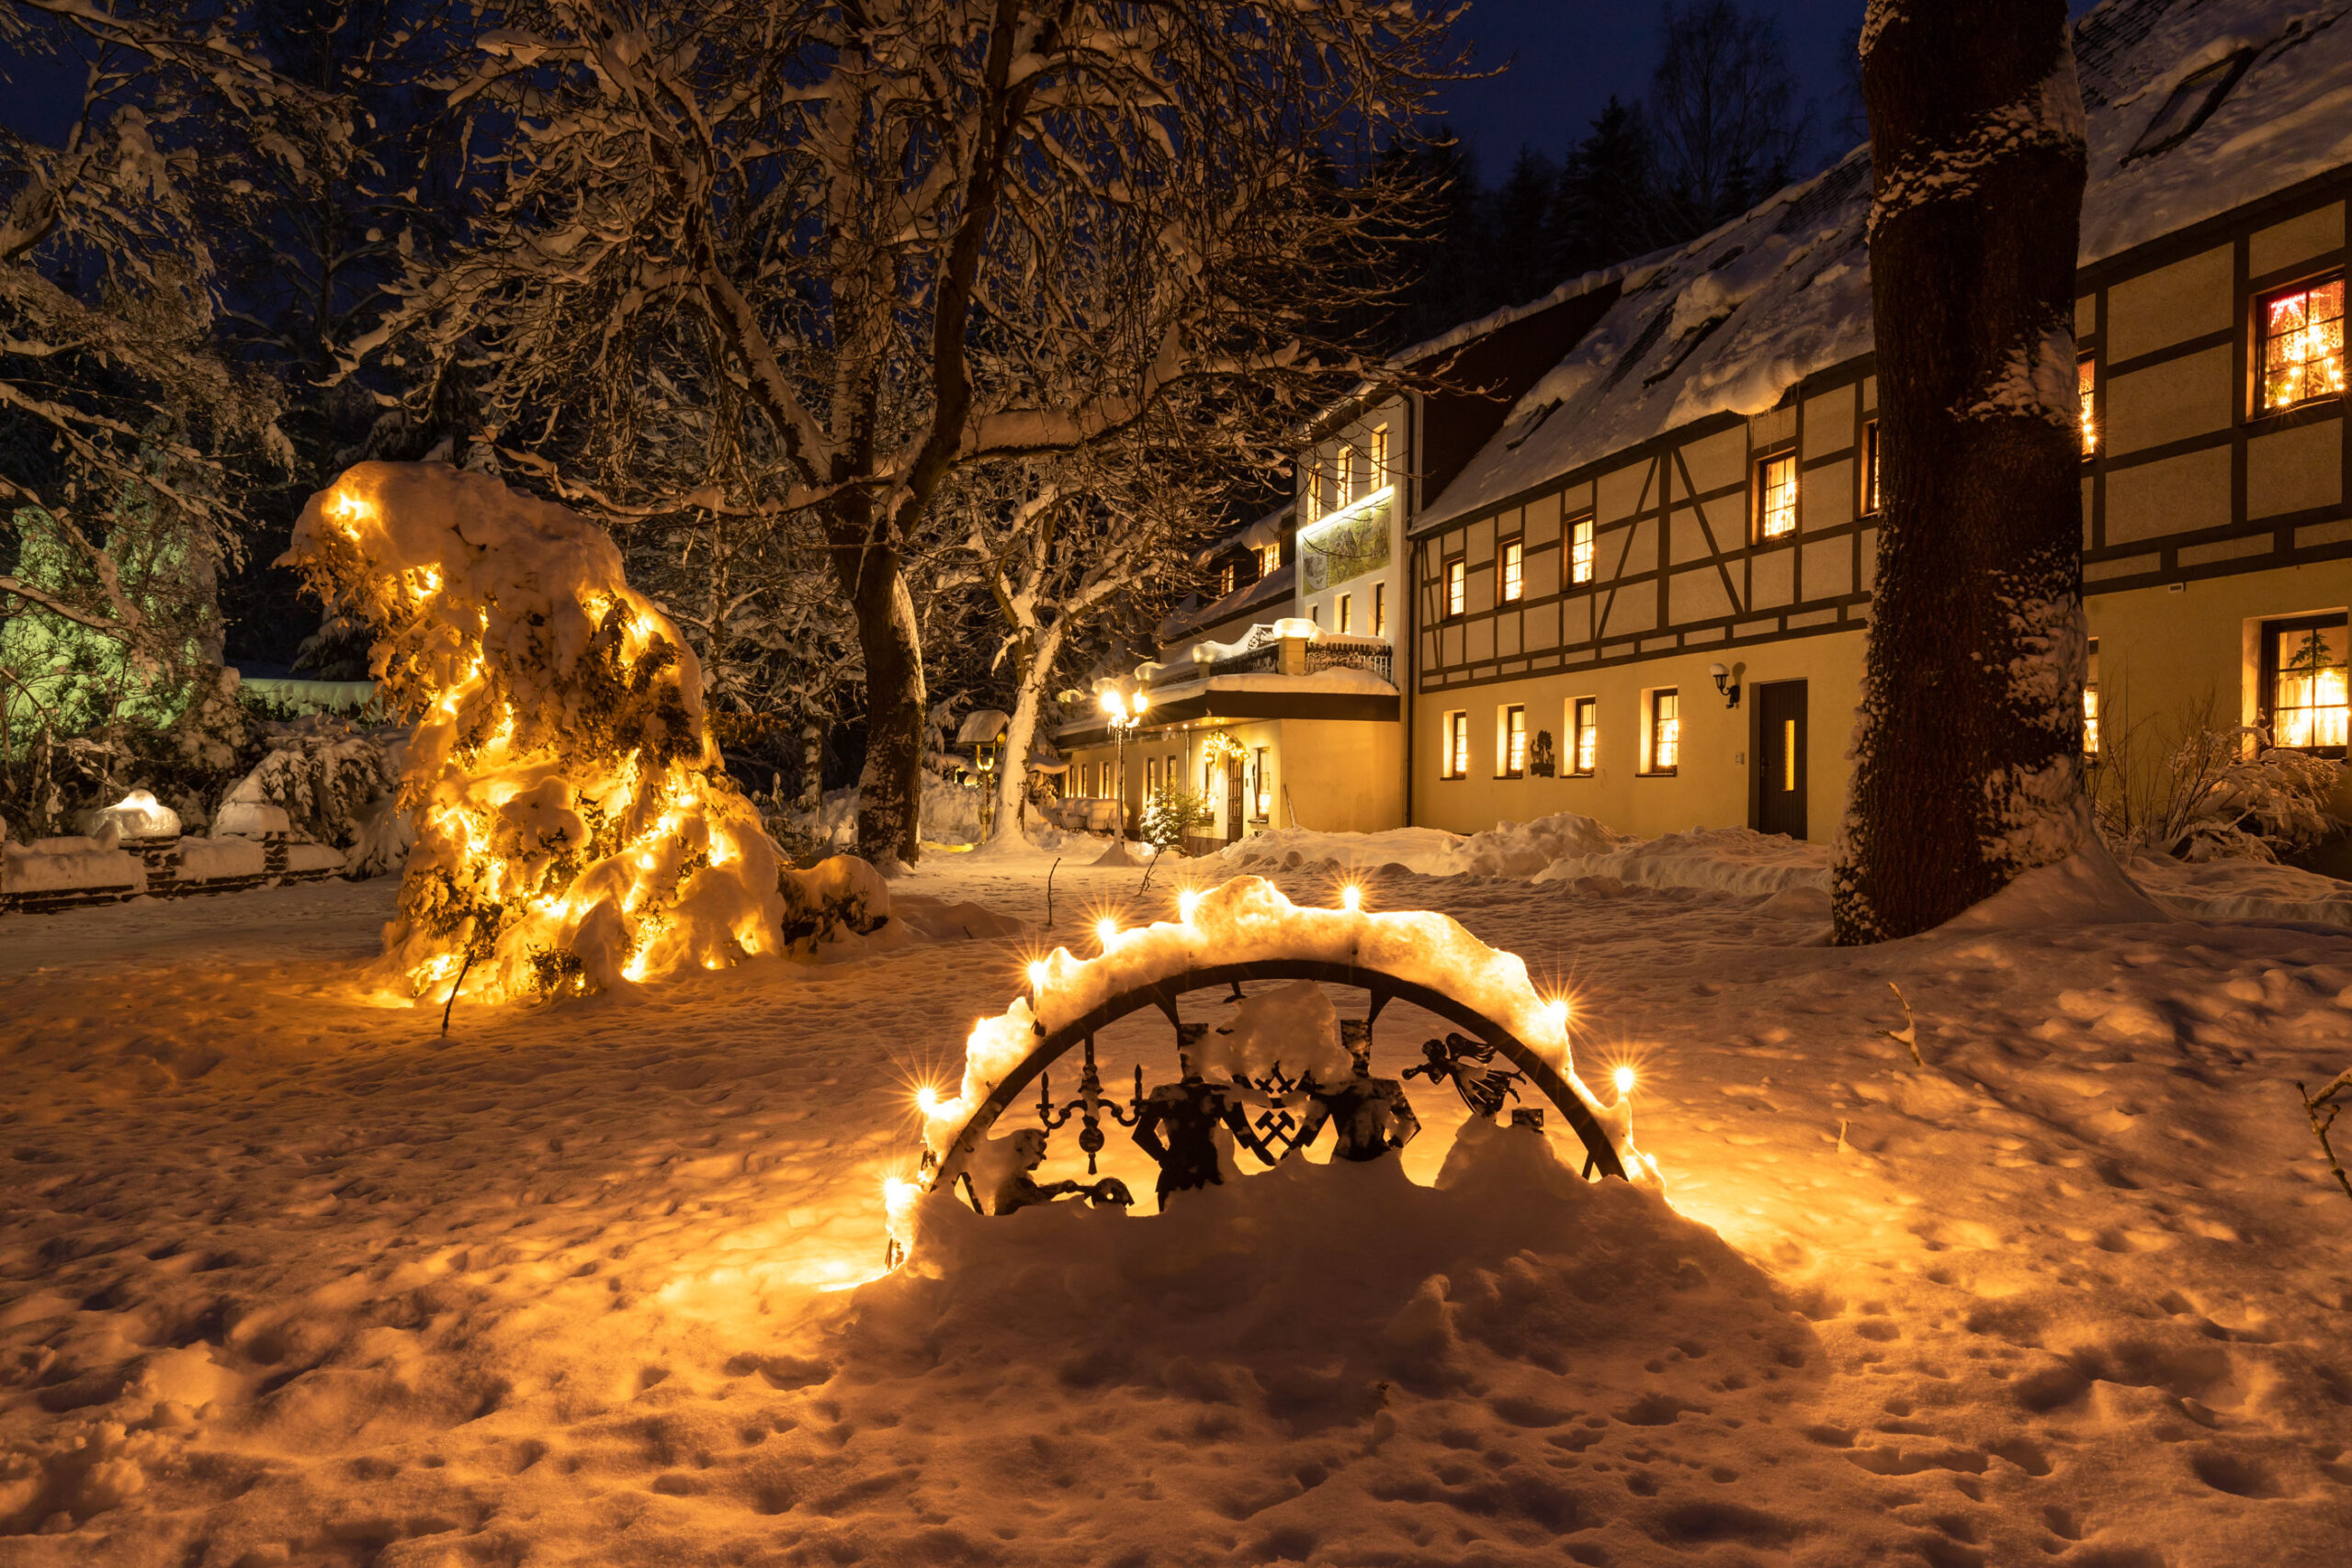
573 827
323 777
1725 860
2246 890
220 857
2086 889
138 814
1508 849
1248 919
837 895
1295 1028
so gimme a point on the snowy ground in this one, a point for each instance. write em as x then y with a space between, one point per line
284 1278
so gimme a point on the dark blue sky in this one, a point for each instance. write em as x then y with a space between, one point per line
1572 55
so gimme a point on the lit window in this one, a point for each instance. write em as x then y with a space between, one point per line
1513 736
1314 489
2086 381
1347 613
1262 792
1666 730
1580 551
1380 609
1270 559
1870 492
2302 345
1584 731
1379 456
1514 570
1776 496
1458 586
1224 576
1152 775
1455 761
2303 664
2090 706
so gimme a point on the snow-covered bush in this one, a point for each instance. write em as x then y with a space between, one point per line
2215 792
574 829
842 894
325 774
1171 814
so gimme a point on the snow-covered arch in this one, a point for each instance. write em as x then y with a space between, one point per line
1248 930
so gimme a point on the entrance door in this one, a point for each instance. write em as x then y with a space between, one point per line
1232 800
1780 758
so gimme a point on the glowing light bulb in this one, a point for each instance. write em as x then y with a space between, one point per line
1624 1077
1111 704
1186 902
1351 897
1106 930
1558 1007
1037 973
1142 702
927 1101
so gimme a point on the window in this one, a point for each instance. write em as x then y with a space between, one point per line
1666 730
1454 762
1776 496
1315 614
1379 456
1458 586
1583 737
1086 779
1380 609
1514 564
1265 790
2303 683
2198 95
2085 382
1224 578
1347 613
1870 492
1270 559
1510 742
1152 775
2090 706
1580 551
2302 344
1314 490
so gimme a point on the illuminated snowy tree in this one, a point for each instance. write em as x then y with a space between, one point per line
574 829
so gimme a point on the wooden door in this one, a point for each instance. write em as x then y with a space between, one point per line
1232 801
1780 754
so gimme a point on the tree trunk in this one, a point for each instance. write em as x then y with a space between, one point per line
1968 746
890 790
1034 671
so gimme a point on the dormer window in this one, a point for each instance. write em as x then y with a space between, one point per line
1270 558
2191 105
1224 578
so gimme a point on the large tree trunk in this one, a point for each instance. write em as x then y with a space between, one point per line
1968 750
890 790
1035 655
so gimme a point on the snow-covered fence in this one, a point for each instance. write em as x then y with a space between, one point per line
49 875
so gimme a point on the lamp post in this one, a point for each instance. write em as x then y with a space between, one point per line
1123 720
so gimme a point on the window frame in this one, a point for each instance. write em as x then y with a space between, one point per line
2219 76
1228 578
1760 485
1584 551
1510 570
2090 703
1270 559
1584 720
1510 743
1453 745
2262 301
1343 614
2086 403
1454 584
1655 747
1380 609
1378 449
2272 632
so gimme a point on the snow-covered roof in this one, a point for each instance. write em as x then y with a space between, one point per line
1275 584
1732 322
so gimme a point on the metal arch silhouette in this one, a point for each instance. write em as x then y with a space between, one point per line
1601 1149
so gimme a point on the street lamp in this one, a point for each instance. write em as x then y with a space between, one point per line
1123 720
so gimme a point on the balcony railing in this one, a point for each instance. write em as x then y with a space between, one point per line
1321 655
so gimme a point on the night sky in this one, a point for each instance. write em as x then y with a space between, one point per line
1572 55
1569 56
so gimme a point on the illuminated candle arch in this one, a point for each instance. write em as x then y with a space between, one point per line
1248 929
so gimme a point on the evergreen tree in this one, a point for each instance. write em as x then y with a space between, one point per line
1606 204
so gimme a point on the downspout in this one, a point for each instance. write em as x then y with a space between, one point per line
1402 659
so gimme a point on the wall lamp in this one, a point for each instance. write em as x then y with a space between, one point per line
1725 684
